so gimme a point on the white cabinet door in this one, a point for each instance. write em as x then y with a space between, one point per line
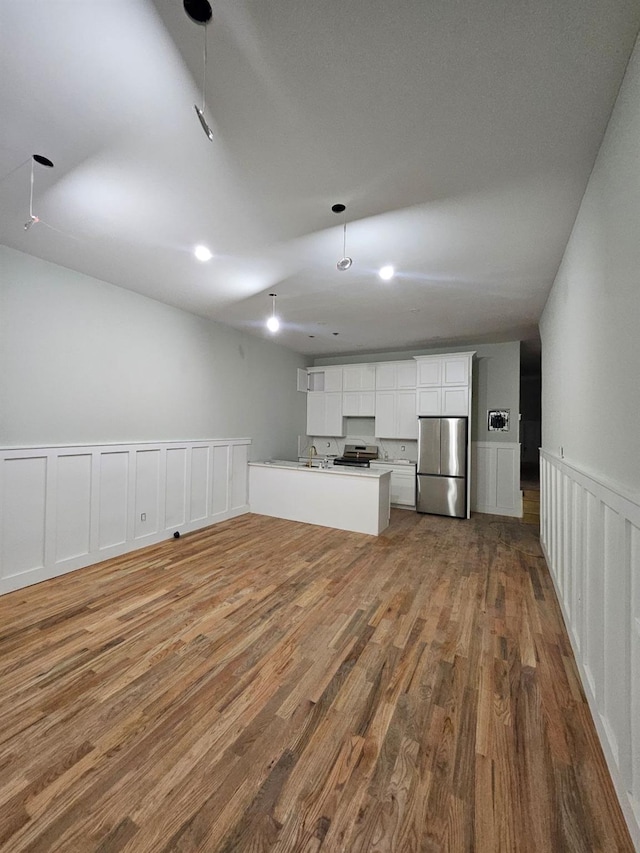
333 413
406 415
455 370
385 377
359 404
396 414
367 404
333 378
315 412
324 413
428 401
455 401
352 378
385 423
403 488
406 374
351 404
429 372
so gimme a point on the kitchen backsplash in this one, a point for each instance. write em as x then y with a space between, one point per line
389 448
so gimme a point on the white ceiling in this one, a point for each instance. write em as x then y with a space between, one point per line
460 135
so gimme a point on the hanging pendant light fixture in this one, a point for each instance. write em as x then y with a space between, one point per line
273 324
43 161
345 262
200 13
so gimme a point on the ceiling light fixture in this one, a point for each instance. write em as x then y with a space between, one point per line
387 272
44 161
200 13
202 253
273 324
345 262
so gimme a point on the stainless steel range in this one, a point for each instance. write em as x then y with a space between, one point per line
357 455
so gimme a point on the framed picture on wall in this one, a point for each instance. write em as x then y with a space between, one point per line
498 420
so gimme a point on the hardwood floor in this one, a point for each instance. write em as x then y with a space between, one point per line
270 686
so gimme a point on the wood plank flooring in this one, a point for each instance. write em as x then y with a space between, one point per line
270 686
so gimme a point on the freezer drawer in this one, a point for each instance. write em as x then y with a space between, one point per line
442 495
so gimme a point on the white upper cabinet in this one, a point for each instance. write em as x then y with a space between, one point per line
395 374
324 378
429 372
444 384
359 377
324 413
396 414
358 394
455 369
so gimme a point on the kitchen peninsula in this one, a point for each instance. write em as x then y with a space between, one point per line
355 499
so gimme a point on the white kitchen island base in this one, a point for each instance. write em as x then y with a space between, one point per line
355 499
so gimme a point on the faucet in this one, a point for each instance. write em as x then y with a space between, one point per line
312 452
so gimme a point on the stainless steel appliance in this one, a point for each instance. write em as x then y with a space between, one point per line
357 455
442 466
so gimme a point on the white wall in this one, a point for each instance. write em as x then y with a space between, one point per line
85 362
590 333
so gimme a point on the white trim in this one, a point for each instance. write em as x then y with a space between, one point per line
590 536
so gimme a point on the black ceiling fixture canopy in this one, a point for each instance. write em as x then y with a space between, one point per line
338 208
198 10
44 161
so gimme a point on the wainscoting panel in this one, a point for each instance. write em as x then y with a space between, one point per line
113 506
175 511
495 478
221 474
73 506
62 508
23 522
590 533
200 480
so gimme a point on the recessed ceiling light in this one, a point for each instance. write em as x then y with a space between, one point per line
387 272
202 253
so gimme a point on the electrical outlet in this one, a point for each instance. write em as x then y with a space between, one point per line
328 444
402 448
143 516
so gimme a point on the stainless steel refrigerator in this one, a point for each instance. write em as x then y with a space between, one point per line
442 466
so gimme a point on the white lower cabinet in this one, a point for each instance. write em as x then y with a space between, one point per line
324 413
403 482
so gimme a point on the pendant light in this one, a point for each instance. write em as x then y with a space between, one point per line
43 161
273 324
345 262
200 13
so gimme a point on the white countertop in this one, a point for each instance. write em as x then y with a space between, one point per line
396 463
337 470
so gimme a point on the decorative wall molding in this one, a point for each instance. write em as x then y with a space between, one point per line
64 507
495 478
590 534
